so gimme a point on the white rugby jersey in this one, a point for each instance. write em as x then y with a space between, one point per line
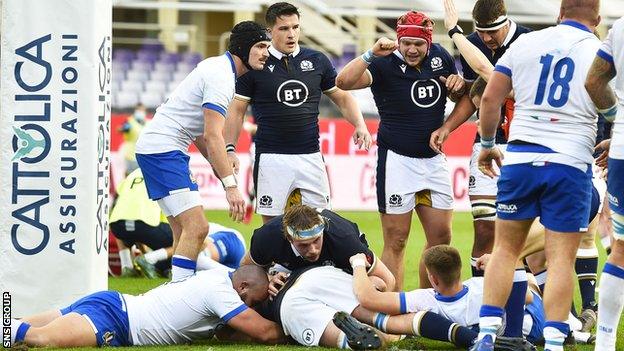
180 119
612 50
462 308
182 311
548 70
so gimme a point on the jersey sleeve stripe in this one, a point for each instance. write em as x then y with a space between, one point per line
402 303
330 90
214 107
605 56
242 97
233 313
504 70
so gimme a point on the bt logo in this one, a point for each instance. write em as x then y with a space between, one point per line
292 93
426 93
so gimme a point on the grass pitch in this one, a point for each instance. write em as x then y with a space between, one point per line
369 223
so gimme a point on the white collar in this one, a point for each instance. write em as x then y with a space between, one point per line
398 54
278 54
295 250
512 30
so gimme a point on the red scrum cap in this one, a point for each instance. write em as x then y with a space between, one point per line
415 25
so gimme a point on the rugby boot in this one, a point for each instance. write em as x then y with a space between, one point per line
359 336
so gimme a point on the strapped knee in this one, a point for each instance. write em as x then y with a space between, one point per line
483 209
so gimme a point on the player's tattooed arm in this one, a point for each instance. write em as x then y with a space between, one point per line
597 83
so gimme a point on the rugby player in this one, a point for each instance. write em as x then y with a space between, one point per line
609 60
410 81
177 312
284 97
194 113
547 171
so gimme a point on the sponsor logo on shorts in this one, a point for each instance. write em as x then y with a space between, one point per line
613 200
471 182
107 338
308 336
265 201
395 200
504 208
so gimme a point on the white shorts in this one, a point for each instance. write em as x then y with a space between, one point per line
308 307
404 182
600 184
178 202
277 175
479 183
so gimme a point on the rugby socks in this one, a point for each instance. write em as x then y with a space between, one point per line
610 303
473 265
18 330
606 243
586 267
343 342
156 256
433 326
380 321
491 319
514 309
618 226
126 259
554 335
182 267
541 279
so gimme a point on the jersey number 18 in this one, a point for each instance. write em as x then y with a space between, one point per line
561 80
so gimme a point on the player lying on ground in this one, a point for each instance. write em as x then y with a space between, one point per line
174 313
307 310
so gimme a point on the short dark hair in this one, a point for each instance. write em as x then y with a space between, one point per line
478 87
279 9
487 11
445 262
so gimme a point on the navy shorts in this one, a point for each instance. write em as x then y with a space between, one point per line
559 194
166 173
106 312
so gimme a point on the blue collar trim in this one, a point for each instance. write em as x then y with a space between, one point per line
576 24
453 298
229 56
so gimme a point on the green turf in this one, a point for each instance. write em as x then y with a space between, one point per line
369 224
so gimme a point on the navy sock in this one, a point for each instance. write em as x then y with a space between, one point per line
514 309
586 268
433 326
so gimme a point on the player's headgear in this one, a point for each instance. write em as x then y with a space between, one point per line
307 233
245 35
494 25
415 25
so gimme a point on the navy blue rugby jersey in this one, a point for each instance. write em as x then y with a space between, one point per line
284 99
515 31
410 101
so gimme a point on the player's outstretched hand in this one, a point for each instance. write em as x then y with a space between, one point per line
384 47
362 138
233 159
277 283
237 203
450 14
455 84
438 137
603 148
485 161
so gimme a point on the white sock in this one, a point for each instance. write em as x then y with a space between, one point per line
342 341
606 242
205 262
554 339
154 257
489 326
182 267
610 303
126 258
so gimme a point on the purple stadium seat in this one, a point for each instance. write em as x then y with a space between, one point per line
147 56
164 66
156 86
131 86
139 76
125 99
151 99
170 57
161 76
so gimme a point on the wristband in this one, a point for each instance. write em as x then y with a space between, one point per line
488 143
456 29
229 181
358 262
230 148
368 57
609 113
